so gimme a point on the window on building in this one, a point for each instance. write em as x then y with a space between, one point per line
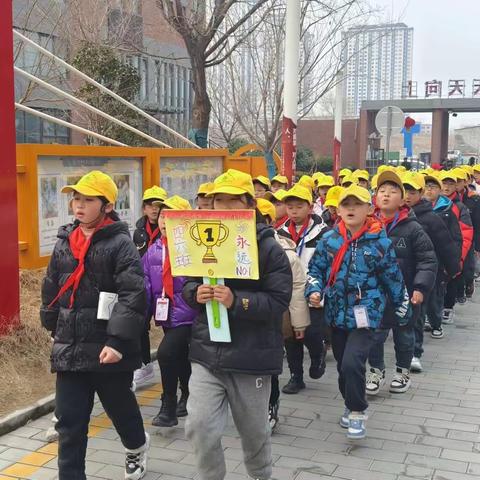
32 129
28 57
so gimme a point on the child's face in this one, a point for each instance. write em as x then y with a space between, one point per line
353 212
260 190
298 210
389 198
280 209
322 192
363 183
88 209
332 210
277 186
412 196
151 211
449 187
226 201
161 223
476 176
204 203
432 191
461 184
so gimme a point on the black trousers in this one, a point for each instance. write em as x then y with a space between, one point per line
145 343
454 289
74 402
275 391
350 349
434 305
314 337
173 360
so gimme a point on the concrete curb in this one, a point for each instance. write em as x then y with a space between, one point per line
45 405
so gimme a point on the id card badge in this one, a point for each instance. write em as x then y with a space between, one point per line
161 312
361 316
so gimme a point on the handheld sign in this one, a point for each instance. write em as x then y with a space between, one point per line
214 245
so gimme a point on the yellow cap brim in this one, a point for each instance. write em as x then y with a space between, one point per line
298 197
358 197
229 190
83 190
430 178
331 203
414 185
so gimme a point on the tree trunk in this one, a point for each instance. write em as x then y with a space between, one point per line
201 103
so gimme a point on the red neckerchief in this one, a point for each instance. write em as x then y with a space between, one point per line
391 222
453 197
371 225
79 245
167 277
292 229
151 235
280 223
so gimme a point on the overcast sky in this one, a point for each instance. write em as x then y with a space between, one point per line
446 43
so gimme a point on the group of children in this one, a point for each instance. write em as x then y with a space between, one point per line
340 266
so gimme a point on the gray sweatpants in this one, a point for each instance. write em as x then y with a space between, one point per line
247 395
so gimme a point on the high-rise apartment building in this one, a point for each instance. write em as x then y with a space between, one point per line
378 63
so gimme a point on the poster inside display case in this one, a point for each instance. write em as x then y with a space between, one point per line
183 175
54 172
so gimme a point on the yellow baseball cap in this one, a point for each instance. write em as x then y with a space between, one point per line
468 169
301 192
401 169
280 179
317 176
350 177
263 180
356 191
331 200
233 182
344 171
279 195
476 168
460 173
448 175
373 182
205 188
433 178
326 181
414 179
95 184
155 192
385 168
361 175
175 203
389 176
266 208
306 181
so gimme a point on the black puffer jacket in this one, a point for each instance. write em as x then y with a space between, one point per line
112 265
255 317
415 253
472 201
447 251
140 236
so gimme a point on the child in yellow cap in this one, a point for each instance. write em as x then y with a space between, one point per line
238 374
279 182
93 302
305 229
204 202
261 185
352 273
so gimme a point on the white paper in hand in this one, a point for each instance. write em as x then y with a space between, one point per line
106 302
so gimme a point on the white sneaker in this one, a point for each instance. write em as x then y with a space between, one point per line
401 381
136 461
143 375
375 379
52 435
448 316
416 365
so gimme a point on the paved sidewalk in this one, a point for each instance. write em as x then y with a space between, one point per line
430 432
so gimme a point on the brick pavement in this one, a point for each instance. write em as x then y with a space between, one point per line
432 432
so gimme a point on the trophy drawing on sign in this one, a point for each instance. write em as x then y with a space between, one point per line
209 233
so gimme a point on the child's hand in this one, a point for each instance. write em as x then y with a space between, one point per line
315 300
417 297
299 334
204 293
224 295
107 355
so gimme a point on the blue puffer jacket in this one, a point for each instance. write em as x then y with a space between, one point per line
368 274
179 312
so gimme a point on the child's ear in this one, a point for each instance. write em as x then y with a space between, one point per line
108 207
371 209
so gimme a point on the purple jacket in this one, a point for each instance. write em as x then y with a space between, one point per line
179 312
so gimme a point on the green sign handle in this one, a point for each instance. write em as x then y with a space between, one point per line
215 307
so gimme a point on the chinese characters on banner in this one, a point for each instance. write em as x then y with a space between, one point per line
213 244
433 89
456 88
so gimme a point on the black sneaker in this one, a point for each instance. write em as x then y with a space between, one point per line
462 300
167 416
273 414
427 327
437 333
470 290
136 461
294 385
